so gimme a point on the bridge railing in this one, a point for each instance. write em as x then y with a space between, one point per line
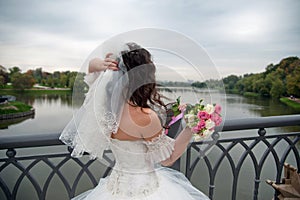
245 153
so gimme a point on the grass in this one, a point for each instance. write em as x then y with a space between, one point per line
232 91
290 103
251 94
35 91
14 107
7 87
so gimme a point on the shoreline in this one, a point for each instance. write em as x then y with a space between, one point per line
17 115
37 89
294 103
33 91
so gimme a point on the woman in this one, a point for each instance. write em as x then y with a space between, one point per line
126 114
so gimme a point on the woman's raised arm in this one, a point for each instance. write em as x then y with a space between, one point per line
98 65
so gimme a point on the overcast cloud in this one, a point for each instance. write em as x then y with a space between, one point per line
240 36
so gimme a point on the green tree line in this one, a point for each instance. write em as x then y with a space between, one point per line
27 79
282 79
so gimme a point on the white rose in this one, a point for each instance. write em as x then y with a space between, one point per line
207 133
191 118
197 138
190 125
209 124
209 108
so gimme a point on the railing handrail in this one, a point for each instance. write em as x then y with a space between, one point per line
260 122
48 139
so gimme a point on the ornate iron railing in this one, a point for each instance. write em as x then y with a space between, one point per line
39 167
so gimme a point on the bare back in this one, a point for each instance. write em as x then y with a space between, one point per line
137 123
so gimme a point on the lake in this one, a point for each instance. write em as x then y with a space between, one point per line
53 111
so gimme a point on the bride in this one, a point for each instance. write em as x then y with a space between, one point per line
124 112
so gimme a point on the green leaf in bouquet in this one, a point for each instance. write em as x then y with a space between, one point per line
175 106
178 101
176 113
189 109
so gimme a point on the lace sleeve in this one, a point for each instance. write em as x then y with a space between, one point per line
160 148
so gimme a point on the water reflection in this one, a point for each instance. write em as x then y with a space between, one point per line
58 108
63 99
52 113
5 123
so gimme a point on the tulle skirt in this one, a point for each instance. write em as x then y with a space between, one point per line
173 185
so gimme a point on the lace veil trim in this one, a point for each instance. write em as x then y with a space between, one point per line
99 116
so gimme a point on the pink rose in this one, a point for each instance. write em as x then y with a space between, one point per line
195 129
201 124
218 109
216 118
203 115
219 121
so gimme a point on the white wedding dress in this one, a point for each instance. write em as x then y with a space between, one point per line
137 174
135 177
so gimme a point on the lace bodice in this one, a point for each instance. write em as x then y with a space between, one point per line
134 172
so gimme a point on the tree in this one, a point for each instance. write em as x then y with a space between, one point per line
22 81
261 86
38 75
230 81
4 74
277 88
293 82
270 68
78 83
71 81
2 81
199 84
287 64
63 80
14 70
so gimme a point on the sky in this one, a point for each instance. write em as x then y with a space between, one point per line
239 36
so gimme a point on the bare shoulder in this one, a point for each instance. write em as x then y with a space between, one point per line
142 116
149 123
139 122
154 127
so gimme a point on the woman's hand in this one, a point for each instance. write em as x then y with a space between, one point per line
96 64
182 107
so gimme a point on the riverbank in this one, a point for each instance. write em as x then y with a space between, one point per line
14 108
294 103
245 94
36 91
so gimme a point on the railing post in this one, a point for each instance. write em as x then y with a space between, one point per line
188 162
261 132
256 186
11 153
211 190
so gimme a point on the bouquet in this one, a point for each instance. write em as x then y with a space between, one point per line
202 119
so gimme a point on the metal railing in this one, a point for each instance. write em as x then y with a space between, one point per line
34 150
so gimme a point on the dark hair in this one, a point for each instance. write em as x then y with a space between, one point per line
146 93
